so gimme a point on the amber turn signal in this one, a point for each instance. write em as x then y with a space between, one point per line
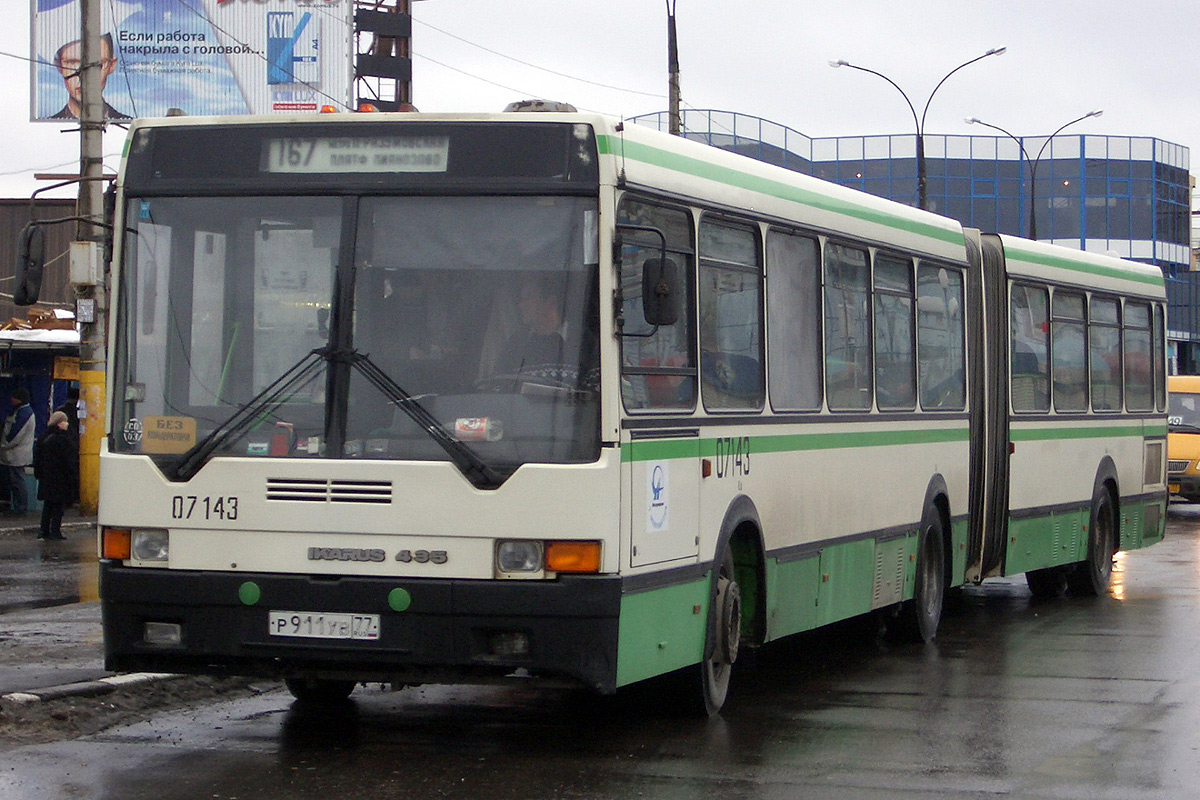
115 544
573 556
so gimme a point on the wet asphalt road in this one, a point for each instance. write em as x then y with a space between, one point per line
1065 699
37 574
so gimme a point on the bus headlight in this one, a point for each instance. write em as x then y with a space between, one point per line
150 544
518 556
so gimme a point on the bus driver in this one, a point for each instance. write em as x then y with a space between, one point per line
543 342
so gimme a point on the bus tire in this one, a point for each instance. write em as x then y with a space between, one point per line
319 690
919 617
724 633
1090 578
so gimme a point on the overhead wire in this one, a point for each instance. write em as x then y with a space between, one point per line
534 66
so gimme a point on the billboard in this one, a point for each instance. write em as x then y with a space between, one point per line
201 56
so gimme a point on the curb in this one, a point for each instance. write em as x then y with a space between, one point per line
87 688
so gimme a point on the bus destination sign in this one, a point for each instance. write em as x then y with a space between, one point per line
343 154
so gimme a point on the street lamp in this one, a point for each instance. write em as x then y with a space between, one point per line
1033 163
920 122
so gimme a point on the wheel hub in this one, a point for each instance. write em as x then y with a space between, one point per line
729 621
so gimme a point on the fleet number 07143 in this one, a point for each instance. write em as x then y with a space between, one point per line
191 506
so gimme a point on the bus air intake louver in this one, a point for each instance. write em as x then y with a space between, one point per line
329 491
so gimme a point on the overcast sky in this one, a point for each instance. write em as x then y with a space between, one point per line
768 58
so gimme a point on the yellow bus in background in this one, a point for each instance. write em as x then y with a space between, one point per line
1183 437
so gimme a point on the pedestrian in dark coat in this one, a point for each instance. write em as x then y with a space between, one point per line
56 466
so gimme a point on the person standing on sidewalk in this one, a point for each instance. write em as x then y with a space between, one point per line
16 450
56 466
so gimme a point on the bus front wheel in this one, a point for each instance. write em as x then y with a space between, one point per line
725 633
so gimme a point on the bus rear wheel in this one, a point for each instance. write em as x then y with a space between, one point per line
1090 578
725 632
319 690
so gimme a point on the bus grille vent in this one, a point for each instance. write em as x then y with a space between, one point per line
329 491
1177 466
890 561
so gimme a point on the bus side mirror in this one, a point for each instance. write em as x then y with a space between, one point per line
660 291
31 257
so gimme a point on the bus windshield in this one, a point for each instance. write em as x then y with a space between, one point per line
408 328
1183 414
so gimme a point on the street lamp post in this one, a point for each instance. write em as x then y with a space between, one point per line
673 114
1033 163
919 122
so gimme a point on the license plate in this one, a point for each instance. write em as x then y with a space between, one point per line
307 625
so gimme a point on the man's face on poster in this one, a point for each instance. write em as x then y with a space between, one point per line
67 59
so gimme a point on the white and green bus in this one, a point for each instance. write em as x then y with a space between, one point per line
454 398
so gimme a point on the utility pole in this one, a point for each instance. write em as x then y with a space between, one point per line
675 120
383 69
87 269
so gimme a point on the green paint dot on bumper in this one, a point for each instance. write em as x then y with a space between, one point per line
249 593
399 599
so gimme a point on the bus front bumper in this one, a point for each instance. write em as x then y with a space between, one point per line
429 631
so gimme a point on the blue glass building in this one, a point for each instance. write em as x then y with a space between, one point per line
1127 195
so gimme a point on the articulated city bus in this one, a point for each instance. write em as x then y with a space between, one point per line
453 398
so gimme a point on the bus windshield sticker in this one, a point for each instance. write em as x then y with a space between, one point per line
168 435
348 154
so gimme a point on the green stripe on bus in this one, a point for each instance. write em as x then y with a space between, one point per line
658 450
636 151
1085 432
687 448
1097 270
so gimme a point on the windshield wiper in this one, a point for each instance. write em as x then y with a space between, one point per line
1183 427
259 406
474 468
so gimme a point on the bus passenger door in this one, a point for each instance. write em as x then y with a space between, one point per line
664 495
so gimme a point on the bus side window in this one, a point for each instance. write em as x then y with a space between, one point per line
658 366
731 323
1069 351
1029 356
847 328
1104 357
1159 359
1139 387
794 321
941 364
895 361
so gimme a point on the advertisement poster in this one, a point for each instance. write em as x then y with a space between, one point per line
203 57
